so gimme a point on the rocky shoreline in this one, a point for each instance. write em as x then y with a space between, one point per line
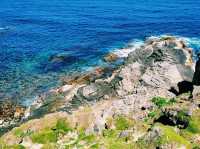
148 98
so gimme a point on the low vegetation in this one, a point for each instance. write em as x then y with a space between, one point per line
161 102
119 133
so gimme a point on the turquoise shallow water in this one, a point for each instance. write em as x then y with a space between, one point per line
84 30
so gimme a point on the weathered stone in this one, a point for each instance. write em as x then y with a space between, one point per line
151 70
130 76
111 57
125 133
94 91
152 135
65 88
196 92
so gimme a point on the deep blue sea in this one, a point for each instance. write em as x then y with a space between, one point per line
84 30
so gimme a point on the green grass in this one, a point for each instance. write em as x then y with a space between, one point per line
169 135
20 133
122 123
194 123
116 144
110 133
62 126
44 136
193 127
111 140
196 147
95 146
87 138
161 101
49 135
152 114
17 146
49 146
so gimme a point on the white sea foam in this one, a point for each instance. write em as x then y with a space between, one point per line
3 29
192 42
123 52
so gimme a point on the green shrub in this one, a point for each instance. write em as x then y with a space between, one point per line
95 146
183 117
161 102
20 133
62 126
110 133
196 147
152 114
88 138
123 123
45 136
193 127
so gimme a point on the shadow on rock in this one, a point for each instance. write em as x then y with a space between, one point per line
183 87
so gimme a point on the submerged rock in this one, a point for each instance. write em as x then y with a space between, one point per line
111 57
61 57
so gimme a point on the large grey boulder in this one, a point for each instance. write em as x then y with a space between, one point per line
94 91
130 75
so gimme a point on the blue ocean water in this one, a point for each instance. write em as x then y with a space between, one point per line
84 30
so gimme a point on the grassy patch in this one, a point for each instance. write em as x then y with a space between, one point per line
116 144
20 133
111 140
169 135
17 146
161 101
62 126
95 146
110 133
44 137
193 127
152 114
196 147
49 146
84 141
49 135
123 123
87 138
194 123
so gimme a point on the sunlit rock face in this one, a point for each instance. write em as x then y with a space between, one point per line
151 69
